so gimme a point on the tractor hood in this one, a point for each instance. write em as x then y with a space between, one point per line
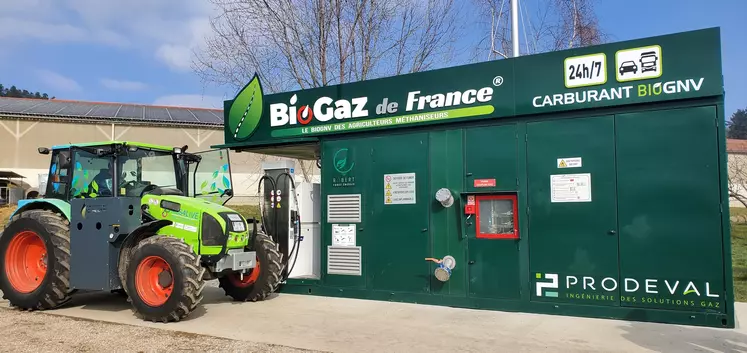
188 203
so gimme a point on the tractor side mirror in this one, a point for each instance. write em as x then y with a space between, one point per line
43 150
227 192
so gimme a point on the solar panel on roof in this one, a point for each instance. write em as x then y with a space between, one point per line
104 110
110 111
206 116
45 108
157 114
183 115
131 111
21 104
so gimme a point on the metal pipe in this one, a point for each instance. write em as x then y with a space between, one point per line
515 27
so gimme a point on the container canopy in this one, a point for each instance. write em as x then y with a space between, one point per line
655 69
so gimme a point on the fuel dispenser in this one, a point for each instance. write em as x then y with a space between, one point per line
290 214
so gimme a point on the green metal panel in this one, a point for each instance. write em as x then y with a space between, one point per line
669 209
397 234
490 155
346 165
573 250
446 171
494 268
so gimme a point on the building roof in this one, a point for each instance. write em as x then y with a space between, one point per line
82 111
736 146
4 174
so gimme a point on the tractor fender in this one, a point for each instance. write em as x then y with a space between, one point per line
60 206
141 232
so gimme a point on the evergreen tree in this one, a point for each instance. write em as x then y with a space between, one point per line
15 92
737 125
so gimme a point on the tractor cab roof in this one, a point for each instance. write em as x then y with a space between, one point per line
109 143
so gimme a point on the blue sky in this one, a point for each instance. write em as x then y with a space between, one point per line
140 50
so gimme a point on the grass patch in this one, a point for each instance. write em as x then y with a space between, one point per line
739 258
248 211
5 212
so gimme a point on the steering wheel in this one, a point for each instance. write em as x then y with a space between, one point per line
148 188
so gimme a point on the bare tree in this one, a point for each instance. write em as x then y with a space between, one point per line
303 44
300 44
559 24
737 177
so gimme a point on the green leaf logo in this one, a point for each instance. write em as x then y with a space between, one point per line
246 110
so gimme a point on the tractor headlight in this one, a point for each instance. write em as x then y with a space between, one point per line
238 226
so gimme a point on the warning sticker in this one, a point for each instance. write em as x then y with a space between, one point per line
574 162
399 189
570 188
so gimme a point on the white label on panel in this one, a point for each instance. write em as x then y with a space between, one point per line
570 188
569 162
399 189
343 235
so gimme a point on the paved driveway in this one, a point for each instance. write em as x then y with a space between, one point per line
348 325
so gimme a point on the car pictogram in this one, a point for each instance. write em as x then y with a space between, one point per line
628 66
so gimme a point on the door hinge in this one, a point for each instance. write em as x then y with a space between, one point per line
517 181
526 138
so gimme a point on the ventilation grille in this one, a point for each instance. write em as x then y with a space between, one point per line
344 208
344 260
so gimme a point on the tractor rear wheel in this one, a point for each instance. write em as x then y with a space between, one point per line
262 280
164 279
35 255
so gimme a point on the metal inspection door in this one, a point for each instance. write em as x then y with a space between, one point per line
397 230
572 211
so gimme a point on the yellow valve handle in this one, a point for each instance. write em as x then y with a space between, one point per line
438 261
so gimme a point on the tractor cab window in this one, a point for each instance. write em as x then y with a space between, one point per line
91 175
59 175
212 177
142 168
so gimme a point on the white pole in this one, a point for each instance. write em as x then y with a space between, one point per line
515 26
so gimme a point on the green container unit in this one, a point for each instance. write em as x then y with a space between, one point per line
573 194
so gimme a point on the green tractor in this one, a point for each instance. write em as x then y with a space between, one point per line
131 218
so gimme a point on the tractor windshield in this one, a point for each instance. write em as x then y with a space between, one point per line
146 167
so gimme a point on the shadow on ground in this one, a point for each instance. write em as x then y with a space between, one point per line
680 339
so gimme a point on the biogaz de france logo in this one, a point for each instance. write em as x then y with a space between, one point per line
553 284
246 110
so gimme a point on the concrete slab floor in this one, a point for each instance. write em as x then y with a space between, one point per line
349 325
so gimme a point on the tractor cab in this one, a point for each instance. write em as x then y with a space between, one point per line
122 169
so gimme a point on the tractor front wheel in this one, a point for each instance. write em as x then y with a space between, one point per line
35 255
262 280
164 279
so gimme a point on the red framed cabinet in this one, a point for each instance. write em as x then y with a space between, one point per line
497 217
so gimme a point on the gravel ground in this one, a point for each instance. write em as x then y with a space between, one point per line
40 332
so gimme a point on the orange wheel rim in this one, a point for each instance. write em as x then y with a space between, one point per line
248 280
26 261
154 280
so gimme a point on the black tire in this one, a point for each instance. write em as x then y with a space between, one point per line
270 270
54 231
186 273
